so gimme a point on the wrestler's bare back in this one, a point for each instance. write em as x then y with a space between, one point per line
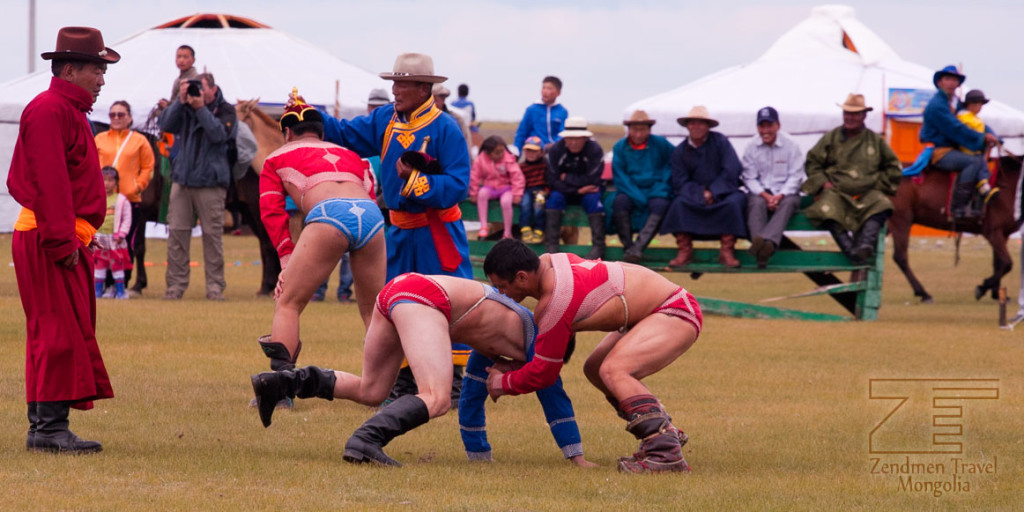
644 291
491 328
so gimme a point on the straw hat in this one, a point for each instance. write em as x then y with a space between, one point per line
854 103
414 67
575 127
639 117
378 97
82 43
698 113
440 90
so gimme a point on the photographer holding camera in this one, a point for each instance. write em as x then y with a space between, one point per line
203 124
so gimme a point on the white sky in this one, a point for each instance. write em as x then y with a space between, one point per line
608 53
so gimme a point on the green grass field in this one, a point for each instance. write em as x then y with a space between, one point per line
778 412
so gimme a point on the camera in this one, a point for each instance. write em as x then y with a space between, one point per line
193 88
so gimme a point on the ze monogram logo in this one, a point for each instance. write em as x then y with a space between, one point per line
929 415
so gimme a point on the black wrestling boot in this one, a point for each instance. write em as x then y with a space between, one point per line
405 384
635 253
280 359
843 240
867 239
623 228
52 433
596 221
399 417
457 372
33 420
552 230
273 387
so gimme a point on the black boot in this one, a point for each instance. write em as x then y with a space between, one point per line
33 420
308 382
635 253
405 384
624 228
843 240
660 442
280 359
456 385
52 433
867 239
960 204
552 229
596 221
368 441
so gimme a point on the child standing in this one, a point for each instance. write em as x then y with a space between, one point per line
111 246
531 208
495 175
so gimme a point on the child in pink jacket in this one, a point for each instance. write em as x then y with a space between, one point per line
110 249
496 175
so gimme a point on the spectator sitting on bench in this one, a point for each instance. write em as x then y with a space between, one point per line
853 172
706 182
575 164
641 175
531 209
495 175
773 170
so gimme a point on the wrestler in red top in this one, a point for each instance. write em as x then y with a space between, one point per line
650 323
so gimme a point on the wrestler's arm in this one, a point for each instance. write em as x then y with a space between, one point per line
272 212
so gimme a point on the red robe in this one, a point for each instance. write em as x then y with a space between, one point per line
55 172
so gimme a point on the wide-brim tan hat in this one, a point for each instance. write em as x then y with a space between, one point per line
414 67
575 127
698 113
440 90
82 43
639 117
855 103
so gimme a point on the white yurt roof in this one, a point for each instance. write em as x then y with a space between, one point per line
804 75
248 60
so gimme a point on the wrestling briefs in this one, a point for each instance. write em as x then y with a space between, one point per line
416 289
358 219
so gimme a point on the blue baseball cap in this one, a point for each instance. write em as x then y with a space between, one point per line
767 114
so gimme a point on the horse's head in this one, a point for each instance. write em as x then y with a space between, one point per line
264 128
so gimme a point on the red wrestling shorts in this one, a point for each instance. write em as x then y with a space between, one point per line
682 304
416 289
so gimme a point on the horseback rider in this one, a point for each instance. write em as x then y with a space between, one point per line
950 137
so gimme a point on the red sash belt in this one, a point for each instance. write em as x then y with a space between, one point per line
447 253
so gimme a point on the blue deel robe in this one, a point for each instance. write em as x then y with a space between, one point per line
713 166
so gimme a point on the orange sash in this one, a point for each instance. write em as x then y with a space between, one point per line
447 254
83 230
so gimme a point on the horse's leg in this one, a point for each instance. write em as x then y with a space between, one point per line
899 226
248 194
1002 263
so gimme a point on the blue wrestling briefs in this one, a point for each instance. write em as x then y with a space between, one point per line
358 219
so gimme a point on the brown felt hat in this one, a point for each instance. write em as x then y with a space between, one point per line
414 67
855 103
82 43
639 117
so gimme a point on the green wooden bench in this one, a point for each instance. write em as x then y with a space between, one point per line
860 298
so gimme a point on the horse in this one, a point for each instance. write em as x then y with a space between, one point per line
924 201
268 139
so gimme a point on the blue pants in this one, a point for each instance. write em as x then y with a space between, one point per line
531 214
557 407
972 167
591 202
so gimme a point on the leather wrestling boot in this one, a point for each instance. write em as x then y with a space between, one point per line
635 254
685 254
727 255
597 241
368 441
660 442
280 359
52 433
33 420
272 387
765 252
552 229
623 228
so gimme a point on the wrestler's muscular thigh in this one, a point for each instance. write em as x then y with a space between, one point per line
648 347
369 270
427 344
